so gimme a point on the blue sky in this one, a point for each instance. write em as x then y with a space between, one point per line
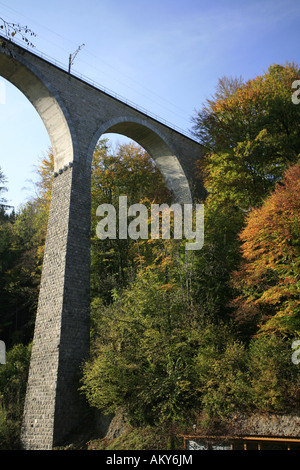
164 55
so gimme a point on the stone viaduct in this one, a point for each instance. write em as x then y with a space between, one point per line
76 114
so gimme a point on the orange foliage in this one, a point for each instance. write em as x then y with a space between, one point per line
269 278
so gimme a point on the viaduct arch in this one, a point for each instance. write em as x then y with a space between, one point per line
76 114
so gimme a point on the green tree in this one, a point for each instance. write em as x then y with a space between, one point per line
252 131
3 189
128 171
13 380
142 352
22 240
273 378
221 370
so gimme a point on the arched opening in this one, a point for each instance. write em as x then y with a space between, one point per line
157 146
48 105
24 140
124 178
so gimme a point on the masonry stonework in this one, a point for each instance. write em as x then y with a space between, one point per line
61 338
76 114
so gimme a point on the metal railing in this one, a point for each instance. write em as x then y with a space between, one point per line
99 87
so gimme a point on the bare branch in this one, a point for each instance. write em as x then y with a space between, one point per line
12 29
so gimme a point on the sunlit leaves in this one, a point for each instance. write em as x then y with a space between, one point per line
252 132
269 279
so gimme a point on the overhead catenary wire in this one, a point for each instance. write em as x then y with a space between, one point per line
105 90
129 80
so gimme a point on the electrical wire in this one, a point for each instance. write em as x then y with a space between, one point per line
93 55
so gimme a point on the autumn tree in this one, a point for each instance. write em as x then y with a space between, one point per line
22 241
128 171
268 280
252 132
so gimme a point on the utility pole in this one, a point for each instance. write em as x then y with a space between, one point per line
72 56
